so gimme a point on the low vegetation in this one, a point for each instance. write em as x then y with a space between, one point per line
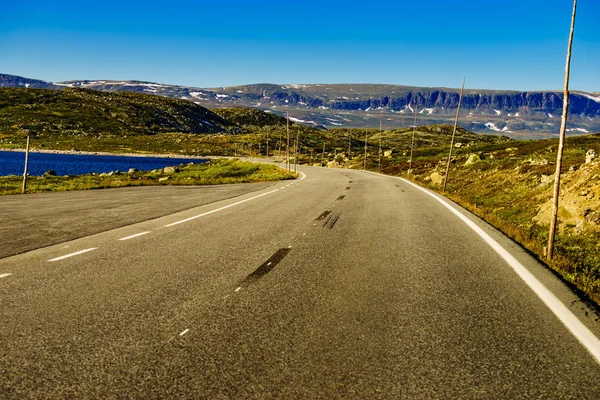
211 173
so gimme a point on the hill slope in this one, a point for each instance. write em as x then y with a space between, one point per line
89 112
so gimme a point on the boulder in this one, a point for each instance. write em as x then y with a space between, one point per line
170 170
388 153
132 170
333 164
50 173
589 156
458 144
473 158
546 180
436 178
164 179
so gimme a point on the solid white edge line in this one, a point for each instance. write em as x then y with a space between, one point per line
72 254
134 236
4 275
570 321
220 209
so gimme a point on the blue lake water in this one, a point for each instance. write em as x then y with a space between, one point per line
12 163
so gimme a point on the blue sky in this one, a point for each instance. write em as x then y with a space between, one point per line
510 44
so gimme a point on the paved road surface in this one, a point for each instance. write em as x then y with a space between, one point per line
342 285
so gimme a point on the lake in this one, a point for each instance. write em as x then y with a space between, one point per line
12 163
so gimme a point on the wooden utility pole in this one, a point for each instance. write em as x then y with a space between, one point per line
323 154
412 142
349 143
267 145
287 149
453 134
296 149
311 154
26 167
365 163
561 142
379 145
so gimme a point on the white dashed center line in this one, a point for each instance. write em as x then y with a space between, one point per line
72 254
184 332
4 275
134 236
219 209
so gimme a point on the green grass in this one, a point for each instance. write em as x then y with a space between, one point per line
212 173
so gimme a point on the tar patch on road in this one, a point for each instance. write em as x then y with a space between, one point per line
266 267
323 215
341 197
347 187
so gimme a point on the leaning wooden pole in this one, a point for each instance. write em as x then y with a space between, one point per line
561 142
287 149
412 142
453 135
365 163
379 167
296 149
26 167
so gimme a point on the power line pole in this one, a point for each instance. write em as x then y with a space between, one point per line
267 145
365 162
323 154
561 142
379 145
311 155
412 143
453 134
287 149
296 149
26 167
349 143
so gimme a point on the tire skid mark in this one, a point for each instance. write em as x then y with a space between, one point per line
265 268
331 221
323 215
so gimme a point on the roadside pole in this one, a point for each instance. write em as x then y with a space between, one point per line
323 154
349 143
287 150
26 166
365 163
453 134
311 155
267 145
561 143
412 143
296 149
379 145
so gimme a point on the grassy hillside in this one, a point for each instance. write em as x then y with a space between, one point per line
83 112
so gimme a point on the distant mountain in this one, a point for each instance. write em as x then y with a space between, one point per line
76 111
514 113
18 81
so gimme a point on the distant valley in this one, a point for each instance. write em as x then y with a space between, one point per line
511 113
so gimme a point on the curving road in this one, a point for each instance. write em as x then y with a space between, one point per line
343 284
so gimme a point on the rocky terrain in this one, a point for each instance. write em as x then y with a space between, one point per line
513 113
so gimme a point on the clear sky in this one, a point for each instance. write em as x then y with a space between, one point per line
508 44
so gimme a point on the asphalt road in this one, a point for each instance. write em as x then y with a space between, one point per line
344 284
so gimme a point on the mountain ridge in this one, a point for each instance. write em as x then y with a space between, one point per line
525 114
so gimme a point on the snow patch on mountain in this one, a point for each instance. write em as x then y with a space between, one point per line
578 130
301 121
